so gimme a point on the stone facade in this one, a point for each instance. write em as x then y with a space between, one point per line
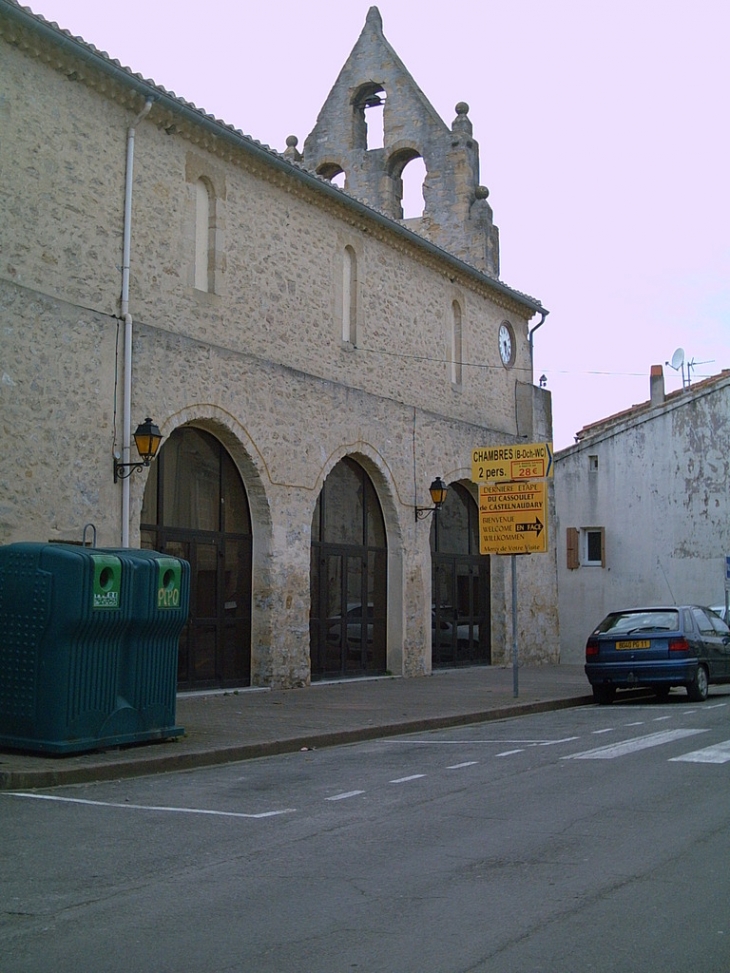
256 356
653 481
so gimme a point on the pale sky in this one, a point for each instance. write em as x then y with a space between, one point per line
603 133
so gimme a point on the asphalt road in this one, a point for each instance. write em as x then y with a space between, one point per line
593 839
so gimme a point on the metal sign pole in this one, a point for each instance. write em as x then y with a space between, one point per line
515 677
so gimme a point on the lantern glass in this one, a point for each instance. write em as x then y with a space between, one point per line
438 491
147 438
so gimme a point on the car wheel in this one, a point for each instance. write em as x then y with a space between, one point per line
698 688
604 695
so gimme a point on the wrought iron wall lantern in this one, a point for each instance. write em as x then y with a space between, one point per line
147 438
438 491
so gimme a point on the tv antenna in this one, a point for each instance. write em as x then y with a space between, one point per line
678 363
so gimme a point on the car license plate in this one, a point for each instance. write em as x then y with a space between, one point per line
634 644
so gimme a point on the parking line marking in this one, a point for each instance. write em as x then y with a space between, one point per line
467 763
403 780
658 719
344 796
552 743
638 723
717 754
632 746
508 753
491 741
147 807
609 729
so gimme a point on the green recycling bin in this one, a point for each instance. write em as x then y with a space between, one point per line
158 613
76 647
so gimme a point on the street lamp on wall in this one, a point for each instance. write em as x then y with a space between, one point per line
147 438
438 491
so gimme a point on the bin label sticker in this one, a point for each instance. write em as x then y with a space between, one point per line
107 581
169 581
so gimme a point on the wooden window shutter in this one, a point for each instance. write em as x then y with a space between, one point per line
571 540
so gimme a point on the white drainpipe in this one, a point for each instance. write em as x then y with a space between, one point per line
127 317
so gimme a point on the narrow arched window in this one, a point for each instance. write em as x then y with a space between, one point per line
349 296
203 234
456 345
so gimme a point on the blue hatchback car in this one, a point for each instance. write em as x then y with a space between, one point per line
661 647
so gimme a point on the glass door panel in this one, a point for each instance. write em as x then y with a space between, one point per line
443 616
356 627
335 613
236 628
204 587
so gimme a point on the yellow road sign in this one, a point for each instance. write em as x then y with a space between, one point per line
513 518
521 461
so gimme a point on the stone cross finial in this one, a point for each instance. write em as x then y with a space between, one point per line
462 122
290 152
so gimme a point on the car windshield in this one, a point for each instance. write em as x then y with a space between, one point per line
627 623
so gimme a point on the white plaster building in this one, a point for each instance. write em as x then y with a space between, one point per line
312 362
642 508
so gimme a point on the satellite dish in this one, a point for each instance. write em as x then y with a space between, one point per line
678 359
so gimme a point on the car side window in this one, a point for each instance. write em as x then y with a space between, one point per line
703 622
718 624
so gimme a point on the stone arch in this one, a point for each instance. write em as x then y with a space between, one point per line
401 156
248 461
379 472
333 172
244 452
370 95
392 508
461 583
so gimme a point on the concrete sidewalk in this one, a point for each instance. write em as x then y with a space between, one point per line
238 725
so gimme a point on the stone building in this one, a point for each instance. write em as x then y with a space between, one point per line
642 508
312 361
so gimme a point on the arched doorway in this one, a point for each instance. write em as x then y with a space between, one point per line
195 507
348 577
460 620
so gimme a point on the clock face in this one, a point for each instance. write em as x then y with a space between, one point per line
506 344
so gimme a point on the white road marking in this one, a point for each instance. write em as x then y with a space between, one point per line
471 743
638 723
508 753
717 754
403 780
714 706
609 729
658 719
147 807
633 745
342 797
467 763
552 743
